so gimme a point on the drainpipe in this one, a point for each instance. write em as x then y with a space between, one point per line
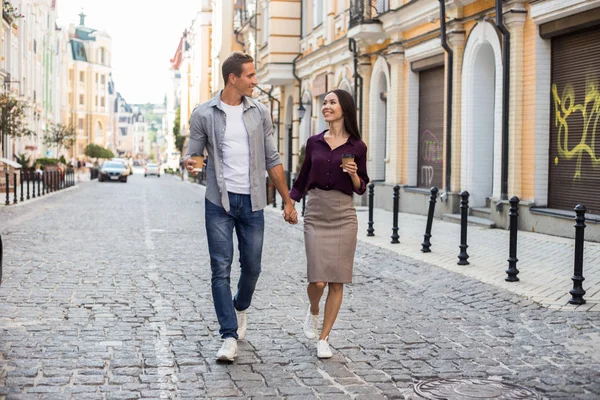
358 81
505 99
278 109
449 74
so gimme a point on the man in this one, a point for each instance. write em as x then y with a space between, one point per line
237 132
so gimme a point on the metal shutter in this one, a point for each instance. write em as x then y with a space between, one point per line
574 122
431 128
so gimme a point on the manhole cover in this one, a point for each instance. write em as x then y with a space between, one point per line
461 389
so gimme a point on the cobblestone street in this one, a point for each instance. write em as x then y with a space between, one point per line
106 295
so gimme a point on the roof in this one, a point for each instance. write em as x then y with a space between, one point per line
85 33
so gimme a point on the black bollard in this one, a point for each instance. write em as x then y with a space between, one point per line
56 181
7 178
512 270
395 236
303 204
44 178
28 174
425 246
22 185
39 180
32 174
15 201
274 198
577 292
267 189
370 230
464 211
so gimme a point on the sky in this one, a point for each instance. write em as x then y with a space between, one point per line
145 35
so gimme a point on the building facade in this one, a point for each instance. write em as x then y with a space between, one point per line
479 96
87 53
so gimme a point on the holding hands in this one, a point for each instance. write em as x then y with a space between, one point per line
290 215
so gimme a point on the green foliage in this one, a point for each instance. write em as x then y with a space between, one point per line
300 158
23 160
177 123
179 140
44 161
62 159
13 116
60 136
96 151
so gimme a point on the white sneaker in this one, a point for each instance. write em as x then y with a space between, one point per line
242 321
311 325
228 351
323 350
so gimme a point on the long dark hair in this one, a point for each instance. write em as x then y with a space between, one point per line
349 112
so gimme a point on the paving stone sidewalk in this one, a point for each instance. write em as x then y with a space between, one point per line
106 295
545 262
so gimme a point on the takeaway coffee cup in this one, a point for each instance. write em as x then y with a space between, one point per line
199 162
346 158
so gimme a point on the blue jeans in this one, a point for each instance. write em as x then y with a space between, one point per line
249 227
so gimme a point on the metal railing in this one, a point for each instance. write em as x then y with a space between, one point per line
366 11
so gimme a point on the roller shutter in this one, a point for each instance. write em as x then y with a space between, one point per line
431 128
575 122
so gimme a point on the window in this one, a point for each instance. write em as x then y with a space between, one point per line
97 77
81 76
81 98
265 23
317 11
80 123
34 46
102 56
71 75
102 103
96 101
103 79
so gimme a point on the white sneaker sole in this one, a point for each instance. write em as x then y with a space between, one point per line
223 357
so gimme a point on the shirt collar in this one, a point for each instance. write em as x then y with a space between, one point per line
351 139
216 102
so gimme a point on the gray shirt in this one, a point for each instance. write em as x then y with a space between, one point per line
207 129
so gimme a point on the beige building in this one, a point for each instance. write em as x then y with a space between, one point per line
86 104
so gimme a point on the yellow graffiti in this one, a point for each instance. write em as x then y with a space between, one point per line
565 107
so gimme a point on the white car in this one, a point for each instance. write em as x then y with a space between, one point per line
152 169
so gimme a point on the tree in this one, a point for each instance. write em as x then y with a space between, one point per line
96 151
12 116
60 136
179 140
23 160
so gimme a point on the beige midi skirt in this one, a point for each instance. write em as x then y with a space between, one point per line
330 228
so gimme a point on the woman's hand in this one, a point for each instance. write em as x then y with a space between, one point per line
351 168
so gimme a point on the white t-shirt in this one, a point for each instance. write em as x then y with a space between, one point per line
236 151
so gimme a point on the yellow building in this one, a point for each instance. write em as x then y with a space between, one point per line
498 107
86 103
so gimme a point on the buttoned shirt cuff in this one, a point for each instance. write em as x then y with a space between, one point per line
295 194
362 188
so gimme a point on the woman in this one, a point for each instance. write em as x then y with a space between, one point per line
330 224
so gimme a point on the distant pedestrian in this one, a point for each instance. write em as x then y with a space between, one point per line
237 132
334 167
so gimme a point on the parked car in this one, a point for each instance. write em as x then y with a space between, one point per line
113 171
152 169
125 163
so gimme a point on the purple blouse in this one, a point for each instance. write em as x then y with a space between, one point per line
322 167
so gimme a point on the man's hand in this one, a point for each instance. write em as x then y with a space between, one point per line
289 212
189 165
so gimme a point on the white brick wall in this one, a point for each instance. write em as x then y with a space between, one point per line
542 119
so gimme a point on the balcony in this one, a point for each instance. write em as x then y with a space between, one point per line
364 23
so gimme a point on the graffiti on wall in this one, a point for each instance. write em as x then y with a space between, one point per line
565 107
432 153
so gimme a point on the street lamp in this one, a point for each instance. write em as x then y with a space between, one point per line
301 111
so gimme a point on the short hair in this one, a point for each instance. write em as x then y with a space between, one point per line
233 64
